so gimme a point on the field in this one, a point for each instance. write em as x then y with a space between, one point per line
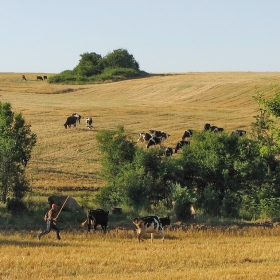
68 158
172 103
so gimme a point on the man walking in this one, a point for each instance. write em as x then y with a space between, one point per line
51 223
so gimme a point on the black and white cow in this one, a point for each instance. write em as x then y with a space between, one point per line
97 217
168 152
217 129
89 123
144 137
158 133
70 121
181 144
187 134
155 141
45 77
150 224
78 117
39 78
239 132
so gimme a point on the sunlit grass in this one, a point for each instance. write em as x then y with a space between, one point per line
251 253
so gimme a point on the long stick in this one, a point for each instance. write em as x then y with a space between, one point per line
62 207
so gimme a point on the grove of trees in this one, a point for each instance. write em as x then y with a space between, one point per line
220 174
92 67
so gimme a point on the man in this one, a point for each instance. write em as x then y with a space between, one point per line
51 223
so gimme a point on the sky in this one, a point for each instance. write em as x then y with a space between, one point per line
164 36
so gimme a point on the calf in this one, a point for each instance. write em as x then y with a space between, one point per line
155 141
89 123
187 134
70 121
97 217
45 77
150 224
181 144
39 78
239 132
23 77
144 137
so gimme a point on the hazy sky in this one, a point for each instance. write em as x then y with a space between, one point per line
48 36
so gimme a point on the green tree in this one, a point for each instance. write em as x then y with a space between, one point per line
90 64
220 169
120 58
16 143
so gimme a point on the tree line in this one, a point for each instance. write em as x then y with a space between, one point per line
220 174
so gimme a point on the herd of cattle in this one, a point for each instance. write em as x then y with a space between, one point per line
38 78
75 119
95 217
157 137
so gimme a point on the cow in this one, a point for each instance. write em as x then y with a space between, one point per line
217 129
187 134
168 152
70 121
78 117
45 77
239 132
89 123
155 141
23 77
158 133
150 224
39 78
71 204
181 144
97 217
144 137
207 126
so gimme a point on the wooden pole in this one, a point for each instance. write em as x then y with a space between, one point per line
62 207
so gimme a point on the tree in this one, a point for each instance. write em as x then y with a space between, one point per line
90 64
120 58
16 143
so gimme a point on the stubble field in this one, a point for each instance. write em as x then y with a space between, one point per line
69 158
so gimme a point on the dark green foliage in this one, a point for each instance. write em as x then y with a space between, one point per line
92 67
16 143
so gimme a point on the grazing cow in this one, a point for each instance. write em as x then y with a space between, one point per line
168 152
78 117
70 121
181 144
39 78
187 134
158 133
45 77
213 128
95 218
144 137
89 123
23 77
239 132
150 224
155 141
71 204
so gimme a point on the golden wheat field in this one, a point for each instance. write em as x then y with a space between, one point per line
69 158
168 102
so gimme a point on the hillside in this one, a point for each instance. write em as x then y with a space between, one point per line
170 102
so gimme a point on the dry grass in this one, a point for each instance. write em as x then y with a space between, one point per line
247 254
172 103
